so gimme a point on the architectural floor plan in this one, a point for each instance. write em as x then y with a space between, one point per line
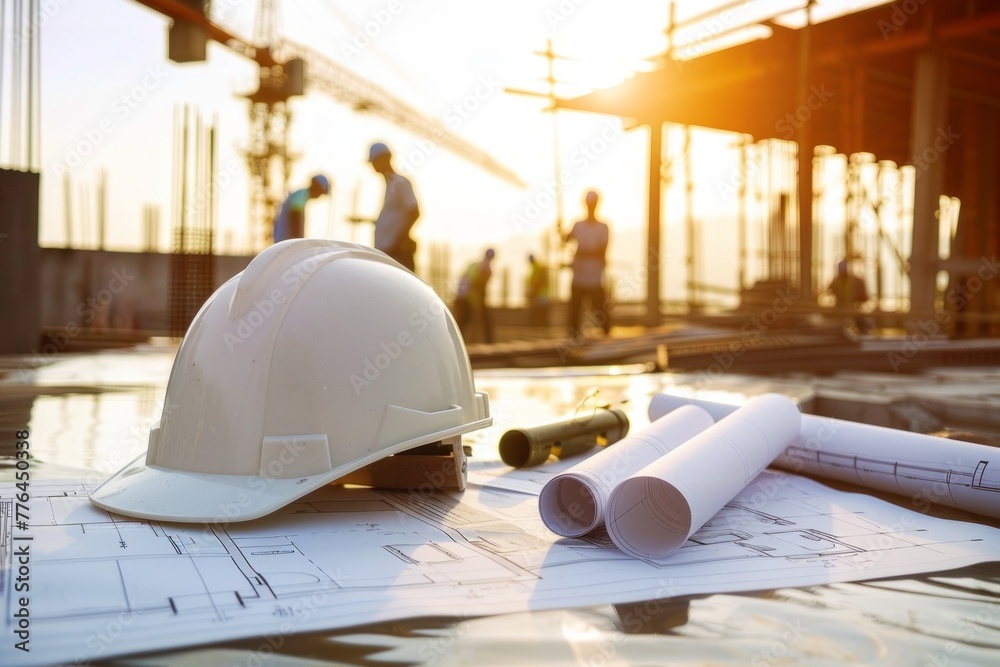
103 585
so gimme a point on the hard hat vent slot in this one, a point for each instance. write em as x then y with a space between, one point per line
401 424
286 456
482 405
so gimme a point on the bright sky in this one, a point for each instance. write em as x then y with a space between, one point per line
110 96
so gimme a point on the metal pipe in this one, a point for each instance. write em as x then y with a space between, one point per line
528 447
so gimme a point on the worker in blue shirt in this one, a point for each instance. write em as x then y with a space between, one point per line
290 222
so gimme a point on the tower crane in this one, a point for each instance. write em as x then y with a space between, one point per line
285 70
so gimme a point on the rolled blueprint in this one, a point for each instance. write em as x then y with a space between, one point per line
653 512
926 468
573 502
526 447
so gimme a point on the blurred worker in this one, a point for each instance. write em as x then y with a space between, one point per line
591 237
850 294
470 299
538 292
399 209
290 223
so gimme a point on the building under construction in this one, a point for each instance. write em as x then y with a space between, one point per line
904 84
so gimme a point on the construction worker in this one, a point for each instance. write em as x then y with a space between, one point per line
850 295
538 292
470 299
591 237
290 221
399 209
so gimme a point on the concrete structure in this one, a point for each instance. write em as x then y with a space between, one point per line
915 82
100 290
19 254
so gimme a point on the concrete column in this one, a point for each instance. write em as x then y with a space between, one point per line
805 202
930 140
803 138
20 295
653 225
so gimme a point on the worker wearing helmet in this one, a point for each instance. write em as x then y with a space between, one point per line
591 237
537 291
290 221
470 298
399 209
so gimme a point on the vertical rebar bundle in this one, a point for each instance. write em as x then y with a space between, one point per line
192 267
19 37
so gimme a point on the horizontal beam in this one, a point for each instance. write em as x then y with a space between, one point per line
181 12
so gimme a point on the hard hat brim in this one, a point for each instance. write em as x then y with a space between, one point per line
161 494
149 492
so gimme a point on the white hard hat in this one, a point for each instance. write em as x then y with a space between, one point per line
318 359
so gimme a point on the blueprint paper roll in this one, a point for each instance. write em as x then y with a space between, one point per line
925 468
662 404
573 502
654 511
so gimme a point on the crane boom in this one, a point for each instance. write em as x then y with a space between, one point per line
181 12
344 85
285 67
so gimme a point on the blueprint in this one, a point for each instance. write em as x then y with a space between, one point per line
927 469
101 585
